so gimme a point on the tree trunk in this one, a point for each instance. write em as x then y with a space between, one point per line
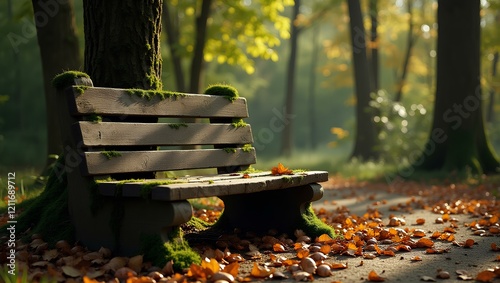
171 25
122 50
374 61
366 133
287 138
409 47
490 116
122 43
199 46
458 139
312 89
59 51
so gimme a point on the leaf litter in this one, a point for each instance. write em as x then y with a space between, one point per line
300 257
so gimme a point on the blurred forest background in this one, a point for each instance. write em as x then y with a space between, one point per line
250 44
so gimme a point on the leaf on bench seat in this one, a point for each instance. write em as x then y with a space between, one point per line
281 170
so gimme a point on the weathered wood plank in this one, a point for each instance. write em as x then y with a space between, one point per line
128 134
118 102
217 185
96 163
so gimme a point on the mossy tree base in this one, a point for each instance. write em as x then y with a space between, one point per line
284 210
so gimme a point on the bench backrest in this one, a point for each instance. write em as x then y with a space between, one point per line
120 144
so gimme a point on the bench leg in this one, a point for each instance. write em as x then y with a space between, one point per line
119 223
284 210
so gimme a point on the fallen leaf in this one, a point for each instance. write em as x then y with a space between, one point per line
279 248
280 170
116 263
374 277
232 268
261 272
485 276
71 271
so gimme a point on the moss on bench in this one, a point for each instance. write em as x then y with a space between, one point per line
225 90
150 94
67 78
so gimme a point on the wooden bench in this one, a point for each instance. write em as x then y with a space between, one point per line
106 139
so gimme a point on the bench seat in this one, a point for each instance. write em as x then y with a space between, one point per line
209 186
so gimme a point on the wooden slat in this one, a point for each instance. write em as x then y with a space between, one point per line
128 134
220 185
97 163
118 102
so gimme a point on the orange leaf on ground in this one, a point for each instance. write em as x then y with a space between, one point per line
486 276
279 248
261 272
281 170
374 277
232 268
425 243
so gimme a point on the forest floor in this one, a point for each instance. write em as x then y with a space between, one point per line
392 232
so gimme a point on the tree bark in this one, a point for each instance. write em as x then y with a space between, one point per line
59 51
458 140
366 133
122 43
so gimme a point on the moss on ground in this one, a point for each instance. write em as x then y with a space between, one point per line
177 250
67 78
48 214
228 91
313 226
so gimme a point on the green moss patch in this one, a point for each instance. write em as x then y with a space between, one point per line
313 226
178 125
111 153
177 250
228 91
67 78
150 94
247 148
94 118
48 214
238 123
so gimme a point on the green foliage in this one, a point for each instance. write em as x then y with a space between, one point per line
237 31
67 78
177 250
228 91
403 129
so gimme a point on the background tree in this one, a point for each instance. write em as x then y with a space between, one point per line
287 138
458 139
59 51
366 133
